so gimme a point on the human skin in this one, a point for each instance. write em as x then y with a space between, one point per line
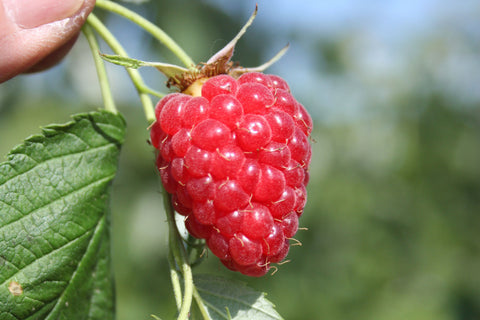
35 35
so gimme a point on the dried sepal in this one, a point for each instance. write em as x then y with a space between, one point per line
238 71
188 80
226 53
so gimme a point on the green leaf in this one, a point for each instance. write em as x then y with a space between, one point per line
228 299
54 221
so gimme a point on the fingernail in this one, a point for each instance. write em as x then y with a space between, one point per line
29 14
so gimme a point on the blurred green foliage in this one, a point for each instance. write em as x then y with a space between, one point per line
394 194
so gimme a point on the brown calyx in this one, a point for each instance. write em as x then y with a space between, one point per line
191 81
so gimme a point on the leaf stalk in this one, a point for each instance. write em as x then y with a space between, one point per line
151 28
135 76
107 96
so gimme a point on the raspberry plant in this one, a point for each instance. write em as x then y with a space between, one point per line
232 155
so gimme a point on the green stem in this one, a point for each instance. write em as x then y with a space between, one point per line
180 257
112 42
154 30
152 92
177 290
107 96
188 294
200 304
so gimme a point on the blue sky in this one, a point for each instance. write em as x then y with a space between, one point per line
388 44
382 39
331 16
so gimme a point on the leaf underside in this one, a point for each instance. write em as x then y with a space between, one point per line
228 299
54 221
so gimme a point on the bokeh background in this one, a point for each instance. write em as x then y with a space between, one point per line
394 199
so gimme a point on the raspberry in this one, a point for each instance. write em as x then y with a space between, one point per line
235 161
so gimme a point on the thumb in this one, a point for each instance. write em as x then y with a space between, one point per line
31 31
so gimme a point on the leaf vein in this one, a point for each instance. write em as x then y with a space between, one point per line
251 306
44 256
211 306
66 155
101 180
99 225
11 207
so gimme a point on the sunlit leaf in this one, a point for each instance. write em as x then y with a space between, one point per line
228 299
54 221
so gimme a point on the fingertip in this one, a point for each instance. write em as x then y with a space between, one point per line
35 49
53 58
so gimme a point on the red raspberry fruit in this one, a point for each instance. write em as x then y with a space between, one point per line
235 162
